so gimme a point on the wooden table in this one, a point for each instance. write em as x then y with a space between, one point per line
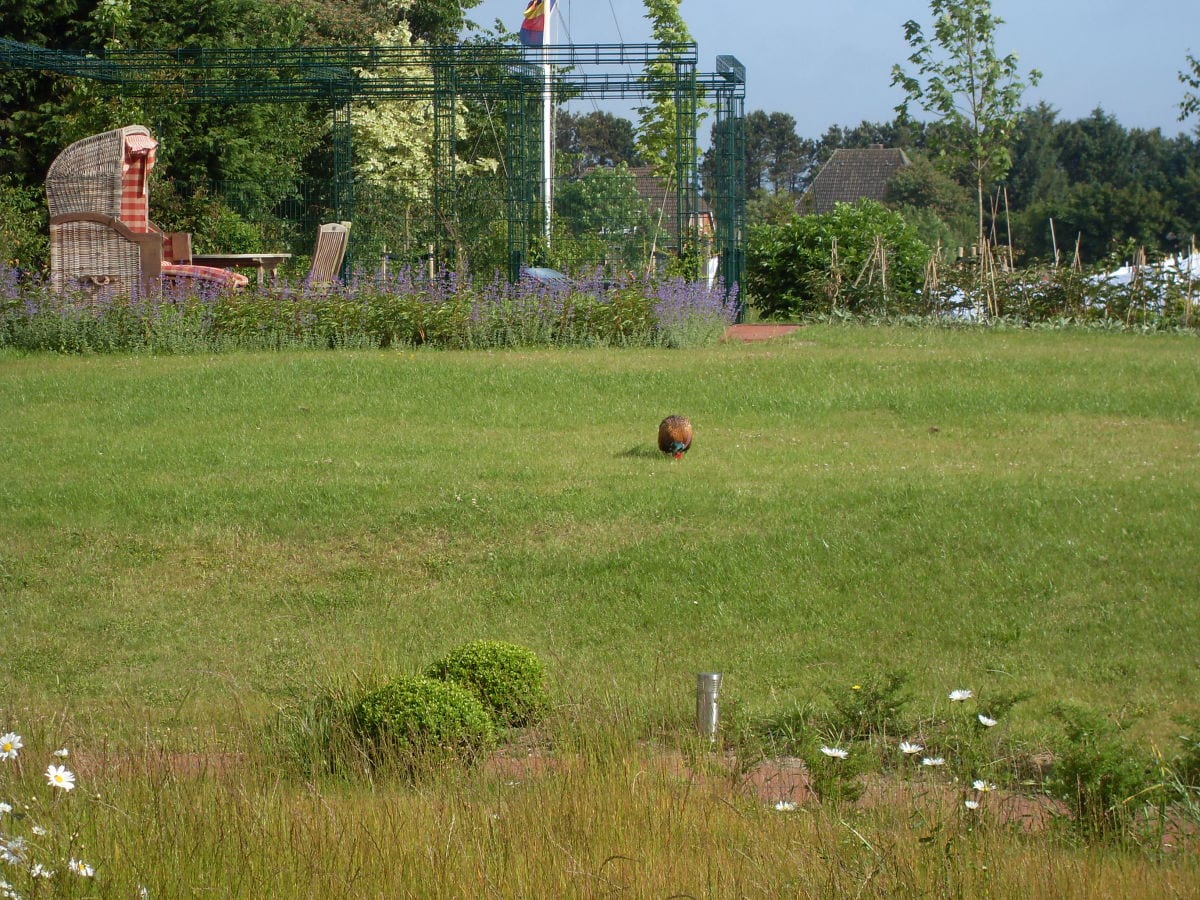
263 262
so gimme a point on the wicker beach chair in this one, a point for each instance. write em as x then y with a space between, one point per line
101 238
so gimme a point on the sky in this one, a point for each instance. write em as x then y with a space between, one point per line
830 62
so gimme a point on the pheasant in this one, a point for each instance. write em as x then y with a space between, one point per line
675 435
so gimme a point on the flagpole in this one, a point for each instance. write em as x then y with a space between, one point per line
547 123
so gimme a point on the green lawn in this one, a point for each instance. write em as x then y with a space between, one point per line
188 542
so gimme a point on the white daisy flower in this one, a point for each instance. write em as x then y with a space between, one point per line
63 753
13 852
835 752
985 721
80 868
957 696
38 830
971 804
9 745
5 808
909 749
933 761
40 871
785 806
60 777
983 786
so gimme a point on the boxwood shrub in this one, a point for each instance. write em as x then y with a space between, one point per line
509 680
423 714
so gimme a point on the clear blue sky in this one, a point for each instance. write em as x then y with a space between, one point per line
830 62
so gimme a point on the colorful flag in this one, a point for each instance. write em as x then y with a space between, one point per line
534 26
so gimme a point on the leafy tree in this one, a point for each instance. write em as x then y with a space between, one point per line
765 208
1094 149
937 206
435 21
1036 172
602 216
392 137
812 264
960 78
900 132
657 122
32 124
1190 77
776 156
23 224
595 139
1102 184
337 22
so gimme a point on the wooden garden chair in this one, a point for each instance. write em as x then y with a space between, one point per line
330 250
101 238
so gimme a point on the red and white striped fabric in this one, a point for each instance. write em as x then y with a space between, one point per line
135 211
223 277
135 174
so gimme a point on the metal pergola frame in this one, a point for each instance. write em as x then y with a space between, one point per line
508 76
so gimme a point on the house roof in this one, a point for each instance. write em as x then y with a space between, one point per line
852 175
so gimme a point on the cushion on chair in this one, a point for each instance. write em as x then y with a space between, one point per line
222 277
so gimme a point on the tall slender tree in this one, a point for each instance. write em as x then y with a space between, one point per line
657 140
959 77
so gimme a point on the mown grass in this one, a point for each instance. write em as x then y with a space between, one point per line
182 536
188 544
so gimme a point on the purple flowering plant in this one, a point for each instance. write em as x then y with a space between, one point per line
370 309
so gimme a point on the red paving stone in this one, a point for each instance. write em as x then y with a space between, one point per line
750 333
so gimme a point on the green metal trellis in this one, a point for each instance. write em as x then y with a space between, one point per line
445 76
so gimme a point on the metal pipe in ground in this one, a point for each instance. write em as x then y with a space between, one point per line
708 693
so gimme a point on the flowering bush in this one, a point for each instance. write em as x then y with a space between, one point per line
368 311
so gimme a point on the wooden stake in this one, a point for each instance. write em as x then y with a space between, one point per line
1008 227
930 288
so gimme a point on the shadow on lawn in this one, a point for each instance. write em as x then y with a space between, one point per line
640 451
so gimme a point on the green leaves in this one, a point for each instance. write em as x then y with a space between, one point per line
424 714
853 256
1190 104
658 136
510 681
961 79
